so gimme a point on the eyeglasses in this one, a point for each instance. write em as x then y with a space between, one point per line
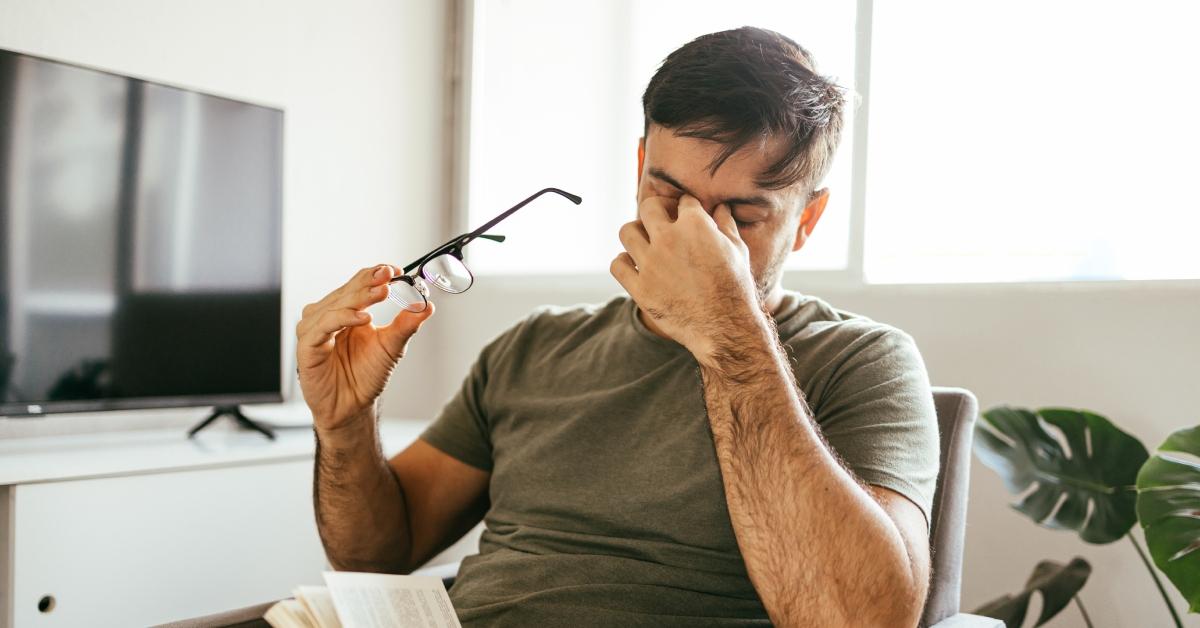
444 268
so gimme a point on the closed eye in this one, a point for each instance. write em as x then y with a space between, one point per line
664 189
747 218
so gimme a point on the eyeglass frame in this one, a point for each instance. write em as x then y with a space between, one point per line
454 248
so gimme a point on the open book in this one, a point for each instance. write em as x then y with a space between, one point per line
367 600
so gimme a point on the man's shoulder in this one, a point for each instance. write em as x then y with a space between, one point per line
822 338
807 318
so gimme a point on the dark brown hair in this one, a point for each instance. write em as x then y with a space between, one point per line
748 84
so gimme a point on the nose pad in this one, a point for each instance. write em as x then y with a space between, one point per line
419 284
441 280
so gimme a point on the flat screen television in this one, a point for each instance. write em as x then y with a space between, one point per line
140 243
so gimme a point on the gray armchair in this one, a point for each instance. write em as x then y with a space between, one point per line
956 412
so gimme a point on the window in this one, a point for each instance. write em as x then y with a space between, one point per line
1030 141
1023 141
555 100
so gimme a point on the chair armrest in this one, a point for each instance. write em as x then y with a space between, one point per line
963 620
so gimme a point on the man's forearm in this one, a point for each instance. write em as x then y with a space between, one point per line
359 503
818 548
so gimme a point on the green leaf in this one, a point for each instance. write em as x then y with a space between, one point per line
1168 507
1087 486
1058 584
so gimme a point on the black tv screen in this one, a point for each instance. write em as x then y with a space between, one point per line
140 243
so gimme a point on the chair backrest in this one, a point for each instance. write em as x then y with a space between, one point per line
956 412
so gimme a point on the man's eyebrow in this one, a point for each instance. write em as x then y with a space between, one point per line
759 201
659 173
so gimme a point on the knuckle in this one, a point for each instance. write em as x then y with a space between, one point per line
621 264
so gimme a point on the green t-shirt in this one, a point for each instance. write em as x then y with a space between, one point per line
607 507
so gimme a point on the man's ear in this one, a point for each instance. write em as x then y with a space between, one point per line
810 216
641 158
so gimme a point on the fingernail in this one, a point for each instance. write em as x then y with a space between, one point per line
379 272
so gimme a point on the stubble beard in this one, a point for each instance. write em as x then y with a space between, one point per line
771 276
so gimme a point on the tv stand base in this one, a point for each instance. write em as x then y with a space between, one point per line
235 412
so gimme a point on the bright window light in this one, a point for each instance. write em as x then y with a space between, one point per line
1032 141
555 100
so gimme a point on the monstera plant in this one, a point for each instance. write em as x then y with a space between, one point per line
1058 584
1168 507
1077 471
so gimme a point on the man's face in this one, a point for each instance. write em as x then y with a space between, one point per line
769 221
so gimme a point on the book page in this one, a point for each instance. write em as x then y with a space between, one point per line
288 614
371 600
319 604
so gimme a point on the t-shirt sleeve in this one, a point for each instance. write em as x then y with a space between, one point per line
462 429
879 417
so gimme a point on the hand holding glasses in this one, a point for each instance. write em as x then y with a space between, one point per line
444 268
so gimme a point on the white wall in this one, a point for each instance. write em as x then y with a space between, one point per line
1126 351
361 84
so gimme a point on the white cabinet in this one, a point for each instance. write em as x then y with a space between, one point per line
141 528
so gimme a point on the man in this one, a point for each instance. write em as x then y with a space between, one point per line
715 451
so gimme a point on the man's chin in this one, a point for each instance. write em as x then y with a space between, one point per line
768 291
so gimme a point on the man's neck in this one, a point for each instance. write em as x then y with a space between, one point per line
773 301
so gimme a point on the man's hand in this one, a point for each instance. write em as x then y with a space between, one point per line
343 360
691 275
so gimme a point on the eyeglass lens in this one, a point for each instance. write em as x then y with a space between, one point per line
407 295
448 273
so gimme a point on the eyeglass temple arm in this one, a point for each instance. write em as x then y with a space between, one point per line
486 236
464 239
510 211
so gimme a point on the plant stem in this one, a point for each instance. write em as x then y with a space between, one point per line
1087 620
1154 574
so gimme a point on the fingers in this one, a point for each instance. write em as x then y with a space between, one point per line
654 213
690 207
367 287
723 216
321 329
363 280
634 238
624 271
396 334
690 210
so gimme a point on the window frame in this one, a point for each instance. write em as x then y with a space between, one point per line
460 54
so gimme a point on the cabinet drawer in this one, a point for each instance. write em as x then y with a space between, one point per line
143 549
